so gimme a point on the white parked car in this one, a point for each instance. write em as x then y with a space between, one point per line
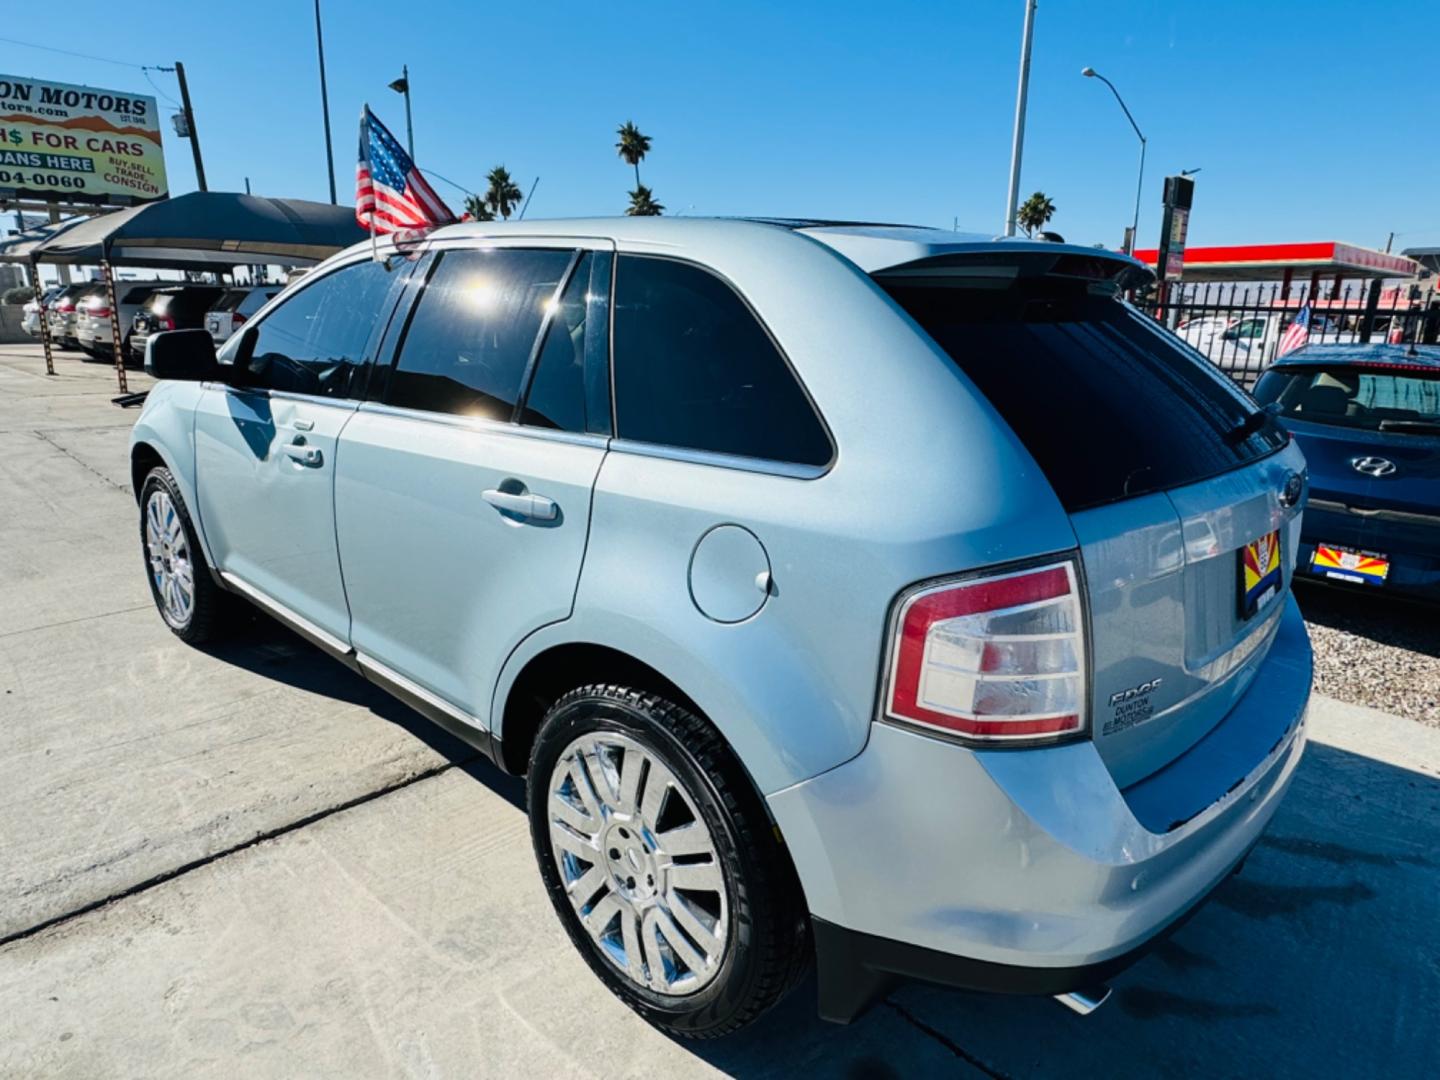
1248 342
92 313
30 317
234 307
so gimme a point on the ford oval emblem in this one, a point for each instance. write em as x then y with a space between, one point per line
1290 493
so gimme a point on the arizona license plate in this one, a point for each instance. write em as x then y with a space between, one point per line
1347 564
1259 573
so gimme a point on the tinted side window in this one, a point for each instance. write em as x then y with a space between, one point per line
694 369
556 398
471 336
314 343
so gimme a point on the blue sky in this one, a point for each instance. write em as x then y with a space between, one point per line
1309 121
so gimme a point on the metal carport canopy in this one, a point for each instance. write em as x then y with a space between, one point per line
204 230
18 247
207 230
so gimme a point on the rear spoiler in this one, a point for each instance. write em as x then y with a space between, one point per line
999 262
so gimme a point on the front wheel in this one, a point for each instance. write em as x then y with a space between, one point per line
661 862
187 597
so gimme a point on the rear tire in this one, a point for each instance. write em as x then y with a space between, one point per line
662 863
192 605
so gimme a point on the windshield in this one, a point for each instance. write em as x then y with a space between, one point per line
1110 405
1398 398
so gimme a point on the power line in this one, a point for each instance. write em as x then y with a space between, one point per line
71 52
154 86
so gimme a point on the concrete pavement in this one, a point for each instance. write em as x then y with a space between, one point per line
249 861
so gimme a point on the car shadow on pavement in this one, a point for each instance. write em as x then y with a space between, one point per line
1387 619
1317 959
265 647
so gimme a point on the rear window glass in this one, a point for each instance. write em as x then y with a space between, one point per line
230 299
136 294
1110 405
1377 399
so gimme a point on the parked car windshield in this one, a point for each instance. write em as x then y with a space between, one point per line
1399 399
1110 405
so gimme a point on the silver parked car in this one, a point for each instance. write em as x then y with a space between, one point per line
882 596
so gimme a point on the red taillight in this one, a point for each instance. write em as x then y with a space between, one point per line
167 323
98 312
998 658
65 306
236 319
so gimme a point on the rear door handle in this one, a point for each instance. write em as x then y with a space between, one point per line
305 455
537 507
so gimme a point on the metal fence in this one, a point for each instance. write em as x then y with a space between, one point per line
1241 326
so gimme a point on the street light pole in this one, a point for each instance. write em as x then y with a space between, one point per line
1091 73
325 105
1017 146
402 86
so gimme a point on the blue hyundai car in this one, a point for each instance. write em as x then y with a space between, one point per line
1368 419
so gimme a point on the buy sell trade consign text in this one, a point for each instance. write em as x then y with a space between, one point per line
64 143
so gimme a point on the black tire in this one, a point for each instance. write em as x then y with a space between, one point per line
206 618
767 950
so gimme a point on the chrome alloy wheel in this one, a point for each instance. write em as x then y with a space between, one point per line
638 863
168 550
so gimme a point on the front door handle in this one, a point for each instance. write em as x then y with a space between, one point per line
305 455
537 507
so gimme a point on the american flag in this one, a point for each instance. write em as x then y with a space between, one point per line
1296 334
390 193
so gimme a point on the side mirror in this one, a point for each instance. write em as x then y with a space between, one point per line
181 354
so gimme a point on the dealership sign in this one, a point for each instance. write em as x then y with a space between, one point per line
76 144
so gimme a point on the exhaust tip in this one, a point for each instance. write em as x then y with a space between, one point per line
1085 1001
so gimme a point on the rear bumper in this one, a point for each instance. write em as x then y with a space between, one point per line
1026 871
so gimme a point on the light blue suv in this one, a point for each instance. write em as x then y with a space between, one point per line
888 597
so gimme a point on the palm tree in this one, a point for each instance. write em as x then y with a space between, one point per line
643 204
632 146
476 208
503 194
1035 212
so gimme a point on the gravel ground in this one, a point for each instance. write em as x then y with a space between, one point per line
1375 650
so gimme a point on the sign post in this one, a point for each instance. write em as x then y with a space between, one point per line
1175 224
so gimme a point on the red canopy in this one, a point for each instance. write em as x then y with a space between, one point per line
1270 262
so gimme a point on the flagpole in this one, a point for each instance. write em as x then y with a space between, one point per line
365 157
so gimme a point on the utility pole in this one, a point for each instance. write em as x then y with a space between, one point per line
190 124
325 105
1017 147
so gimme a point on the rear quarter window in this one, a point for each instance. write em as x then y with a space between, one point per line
694 369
